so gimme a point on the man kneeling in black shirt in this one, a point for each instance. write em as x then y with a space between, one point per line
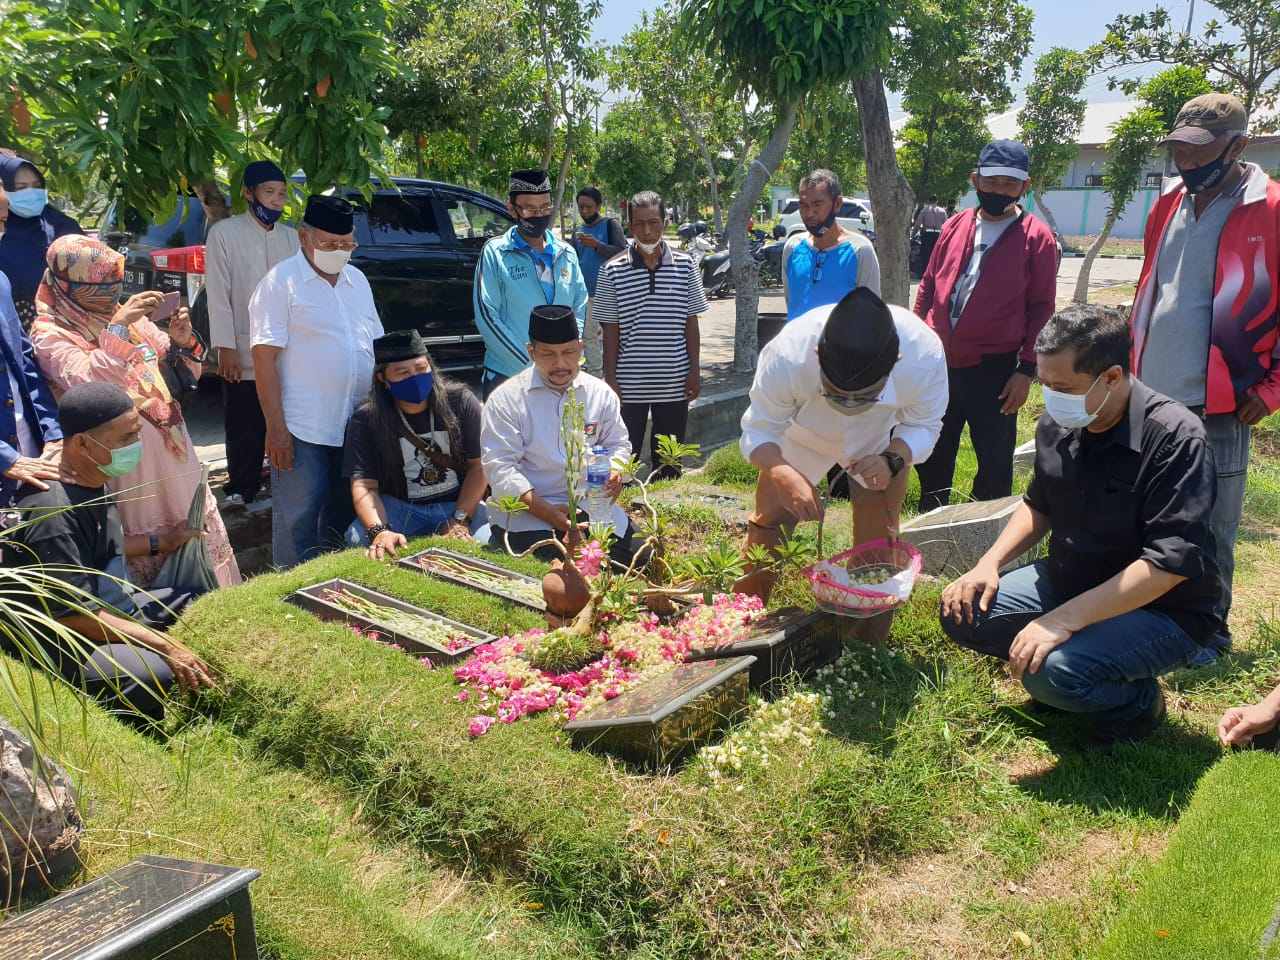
71 529
1124 485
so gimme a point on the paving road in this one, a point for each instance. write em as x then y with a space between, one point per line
204 412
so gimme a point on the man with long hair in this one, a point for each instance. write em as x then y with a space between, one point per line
412 451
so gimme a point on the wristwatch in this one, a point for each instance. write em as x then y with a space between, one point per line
460 516
894 462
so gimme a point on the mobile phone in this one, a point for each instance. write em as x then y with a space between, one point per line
168 306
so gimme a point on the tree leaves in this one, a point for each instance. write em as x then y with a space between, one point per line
1050 121
141 104
1249 68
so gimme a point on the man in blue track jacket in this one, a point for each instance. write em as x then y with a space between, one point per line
524 268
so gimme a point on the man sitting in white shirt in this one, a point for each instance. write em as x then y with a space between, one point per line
521 448
313 323
861 385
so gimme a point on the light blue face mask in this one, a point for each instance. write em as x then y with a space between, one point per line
124 459
1071 410
29 202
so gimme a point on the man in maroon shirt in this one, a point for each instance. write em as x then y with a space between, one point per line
988 289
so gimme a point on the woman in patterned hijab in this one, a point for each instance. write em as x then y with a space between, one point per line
83 333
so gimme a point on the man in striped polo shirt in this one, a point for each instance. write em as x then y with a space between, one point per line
647 302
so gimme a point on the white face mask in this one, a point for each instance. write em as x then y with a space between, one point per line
330 261
1070 410
647 248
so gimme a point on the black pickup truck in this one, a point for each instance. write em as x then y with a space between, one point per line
419 242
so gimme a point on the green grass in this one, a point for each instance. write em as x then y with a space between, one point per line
1214 892
329 887
914 765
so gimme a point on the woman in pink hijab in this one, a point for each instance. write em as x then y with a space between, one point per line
82 333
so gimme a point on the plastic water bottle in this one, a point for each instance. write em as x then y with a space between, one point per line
599 509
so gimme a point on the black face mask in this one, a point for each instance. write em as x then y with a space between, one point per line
591 220
533 227
995 204
1210 175
819 229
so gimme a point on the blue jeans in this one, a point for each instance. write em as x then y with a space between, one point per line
310 504
1229 440
1108 669
414 519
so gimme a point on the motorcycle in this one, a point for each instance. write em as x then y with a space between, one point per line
712 258
770 256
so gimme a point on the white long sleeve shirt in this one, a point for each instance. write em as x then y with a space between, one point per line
237 255
326 336
521 447
788 409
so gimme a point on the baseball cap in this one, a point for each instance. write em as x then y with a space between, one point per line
1004 158
1206 117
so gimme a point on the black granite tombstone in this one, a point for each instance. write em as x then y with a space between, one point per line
479 575
789 642
662 721
316 599
151 908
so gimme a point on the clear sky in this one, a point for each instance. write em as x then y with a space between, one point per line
1076 24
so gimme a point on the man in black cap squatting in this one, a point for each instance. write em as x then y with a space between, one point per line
521 447
101 642
1206 315
524 268
238 253
314 324
861 385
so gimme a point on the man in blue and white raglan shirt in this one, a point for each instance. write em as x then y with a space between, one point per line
524 268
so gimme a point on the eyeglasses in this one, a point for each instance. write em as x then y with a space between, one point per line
540 212
330 245
818 260
850 402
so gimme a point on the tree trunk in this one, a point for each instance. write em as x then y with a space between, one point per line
891 196
213 201
1046 212
549 65
563 176
422 168
1082 282
708 161
745 268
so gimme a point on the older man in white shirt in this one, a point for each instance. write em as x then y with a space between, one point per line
237 255
314 324
860 385
521 448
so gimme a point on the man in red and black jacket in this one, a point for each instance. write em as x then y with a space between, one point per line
987 290
1206 321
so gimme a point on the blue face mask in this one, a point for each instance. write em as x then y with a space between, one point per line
124 459
28 203
264 215
412 389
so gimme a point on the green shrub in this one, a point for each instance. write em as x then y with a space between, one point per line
728 467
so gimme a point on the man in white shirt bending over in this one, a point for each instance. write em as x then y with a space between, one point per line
860 385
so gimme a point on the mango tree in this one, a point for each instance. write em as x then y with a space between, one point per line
149 98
